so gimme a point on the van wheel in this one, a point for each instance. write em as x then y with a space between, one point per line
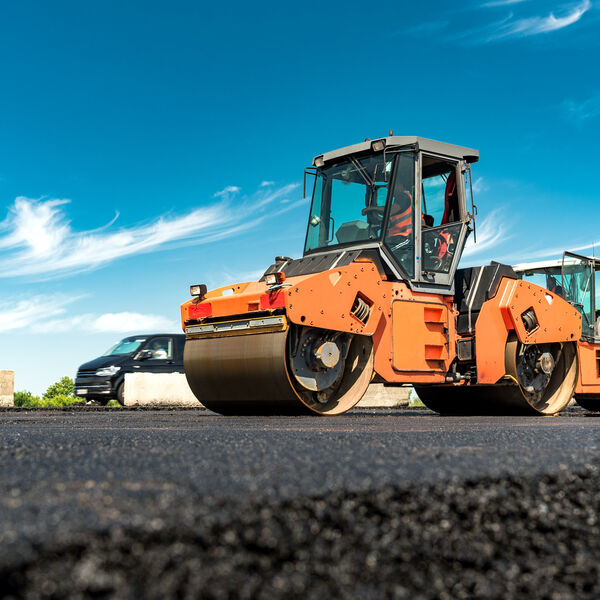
120 398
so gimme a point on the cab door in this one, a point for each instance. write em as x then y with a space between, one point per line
578 283
442 219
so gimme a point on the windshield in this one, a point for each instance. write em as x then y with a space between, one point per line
574 282
578 283
126 346
547 277
349 201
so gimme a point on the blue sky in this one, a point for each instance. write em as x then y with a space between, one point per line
148 146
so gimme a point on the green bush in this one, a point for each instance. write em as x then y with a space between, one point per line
26 398
61 393
60 400
64 387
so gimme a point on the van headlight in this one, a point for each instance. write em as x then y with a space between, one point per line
108 371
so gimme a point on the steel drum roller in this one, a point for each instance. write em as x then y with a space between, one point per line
250 374
540 380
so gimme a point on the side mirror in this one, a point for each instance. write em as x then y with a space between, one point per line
143 355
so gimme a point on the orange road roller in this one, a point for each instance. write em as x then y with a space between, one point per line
576 278
377 297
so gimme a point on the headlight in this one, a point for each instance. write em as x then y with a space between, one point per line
108 371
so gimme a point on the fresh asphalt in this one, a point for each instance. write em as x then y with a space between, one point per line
130 503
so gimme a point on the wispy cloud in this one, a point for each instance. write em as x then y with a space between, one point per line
480 186
535 25
426 27
18 314
267 183
502 3
24 315
586 248
228 191
37 238
122 322
583 110
491 231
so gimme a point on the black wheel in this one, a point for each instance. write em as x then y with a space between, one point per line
120 397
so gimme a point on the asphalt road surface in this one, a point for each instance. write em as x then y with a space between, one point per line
158 503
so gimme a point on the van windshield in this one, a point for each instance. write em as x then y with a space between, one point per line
126 346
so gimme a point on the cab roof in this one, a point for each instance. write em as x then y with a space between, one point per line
441 148
554 264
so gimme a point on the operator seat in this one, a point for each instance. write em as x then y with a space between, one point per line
451 212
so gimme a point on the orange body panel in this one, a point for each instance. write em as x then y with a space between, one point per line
419 336
319 300
589 369
413 333
235 299
557 321
325 299
414 342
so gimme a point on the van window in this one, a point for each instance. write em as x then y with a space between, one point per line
126 346
161 348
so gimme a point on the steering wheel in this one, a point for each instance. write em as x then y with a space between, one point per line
431 252
432 263
374 214
430 260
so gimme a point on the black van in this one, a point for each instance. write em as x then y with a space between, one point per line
103 378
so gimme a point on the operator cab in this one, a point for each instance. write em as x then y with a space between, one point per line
577 279
404 196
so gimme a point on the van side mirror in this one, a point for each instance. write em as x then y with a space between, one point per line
143 355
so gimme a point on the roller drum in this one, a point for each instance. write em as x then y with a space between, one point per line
250 375
513 395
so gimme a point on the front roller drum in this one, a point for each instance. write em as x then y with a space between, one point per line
540 380
264 373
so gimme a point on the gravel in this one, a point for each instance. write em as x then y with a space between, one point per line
513 537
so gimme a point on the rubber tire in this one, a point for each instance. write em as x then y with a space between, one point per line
120 397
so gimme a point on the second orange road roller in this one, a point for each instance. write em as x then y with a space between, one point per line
378 296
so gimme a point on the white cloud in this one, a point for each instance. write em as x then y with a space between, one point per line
20 314
425 27
267 183
122 322
581 111
557 251
491 232
479 186
36 238
228 191
502 3
514 27
25 315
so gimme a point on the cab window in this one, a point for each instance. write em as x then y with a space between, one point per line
441 218
577 284
400 234
349 202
